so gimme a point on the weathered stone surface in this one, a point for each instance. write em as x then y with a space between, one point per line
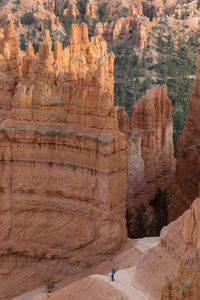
190 224
63 164
186 283
181 239
10 60
151 162
188 161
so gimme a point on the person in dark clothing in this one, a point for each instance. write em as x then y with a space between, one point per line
112 274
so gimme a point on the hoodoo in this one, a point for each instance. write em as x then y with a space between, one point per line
63 165
151 163
10 60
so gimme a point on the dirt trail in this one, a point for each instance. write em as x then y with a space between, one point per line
123 283
124 278
99 282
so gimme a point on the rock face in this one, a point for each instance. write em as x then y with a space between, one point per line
188 161
190 224
186 283
63 165
185 246
151 162
10 61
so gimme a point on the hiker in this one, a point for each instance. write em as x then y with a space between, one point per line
112 274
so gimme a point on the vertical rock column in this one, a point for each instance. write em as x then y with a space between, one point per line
10 60
150 149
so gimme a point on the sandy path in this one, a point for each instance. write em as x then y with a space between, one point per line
147 243
123 283
124 277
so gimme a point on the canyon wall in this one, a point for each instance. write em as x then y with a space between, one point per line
188 161
63 165
183 242
151 163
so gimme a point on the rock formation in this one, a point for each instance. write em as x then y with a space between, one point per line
150 146
114 32
185 247
186 283
188 161
10 61
63 165
191 226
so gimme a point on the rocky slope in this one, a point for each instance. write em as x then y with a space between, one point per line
63 164
188 164
114 20
31 18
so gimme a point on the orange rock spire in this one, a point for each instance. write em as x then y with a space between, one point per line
9 67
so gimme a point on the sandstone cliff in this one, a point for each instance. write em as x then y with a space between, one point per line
62 165
188 162
185 285
150 146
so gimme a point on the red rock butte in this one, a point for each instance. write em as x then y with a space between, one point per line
63 163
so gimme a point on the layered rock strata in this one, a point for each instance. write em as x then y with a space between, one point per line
150 147
188 161
63 165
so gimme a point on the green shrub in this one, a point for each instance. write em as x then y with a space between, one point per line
66 4
102 13
22 42
81 5
27 18
50 287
